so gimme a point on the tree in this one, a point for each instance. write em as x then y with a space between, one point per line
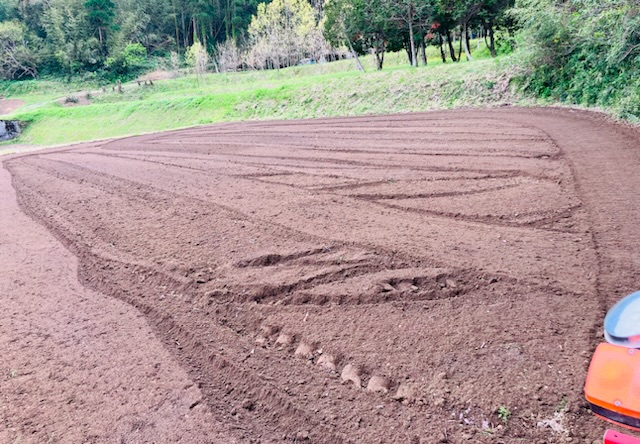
465 10
364 26
446 22
128 61
17 60
411 14
198 57
492 14
8 10
228 56
148 22
340 25
69 45
284 32
100 14
240 15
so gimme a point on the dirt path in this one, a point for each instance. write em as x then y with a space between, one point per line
76 366
443 264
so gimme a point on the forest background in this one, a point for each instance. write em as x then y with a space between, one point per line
583 52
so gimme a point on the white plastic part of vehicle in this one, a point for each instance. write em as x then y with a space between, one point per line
622 323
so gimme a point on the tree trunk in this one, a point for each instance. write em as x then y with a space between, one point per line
379 59
441 46
203 30
452 50
175 20
414 61
353 52
195 30
227 21
379 51
423 52
465 37
460 47
492 42
185 39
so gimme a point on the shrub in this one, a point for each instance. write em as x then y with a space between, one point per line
581 51
128 62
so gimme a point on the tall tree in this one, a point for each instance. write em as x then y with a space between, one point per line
465 11
285 31
100 14
493 14
342 25
70 45
17 60
8 10
362 24
446 22
409 14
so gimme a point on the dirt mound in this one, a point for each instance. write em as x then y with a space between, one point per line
375 279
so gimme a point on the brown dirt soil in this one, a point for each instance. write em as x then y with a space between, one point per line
377 279
7 106
159 75
77 367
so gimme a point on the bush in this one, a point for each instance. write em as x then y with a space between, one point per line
198 58
127 63
581 51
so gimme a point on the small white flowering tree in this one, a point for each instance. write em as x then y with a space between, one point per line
198 57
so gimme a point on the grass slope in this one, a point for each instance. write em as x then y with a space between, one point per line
334 89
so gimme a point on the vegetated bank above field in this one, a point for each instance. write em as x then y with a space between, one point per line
577 52
332 89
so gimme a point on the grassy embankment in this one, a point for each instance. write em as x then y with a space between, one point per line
333 89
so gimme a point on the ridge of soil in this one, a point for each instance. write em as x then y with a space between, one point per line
372 279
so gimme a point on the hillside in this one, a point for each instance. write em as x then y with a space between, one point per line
58 113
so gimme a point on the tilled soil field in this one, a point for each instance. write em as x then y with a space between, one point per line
394 279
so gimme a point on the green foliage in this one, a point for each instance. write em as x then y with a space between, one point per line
73 37
378 26
582 51
100 12
198 58
128 62
8 10
364 24
17 60
331 89
100 16
69 46
504 413
89 38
